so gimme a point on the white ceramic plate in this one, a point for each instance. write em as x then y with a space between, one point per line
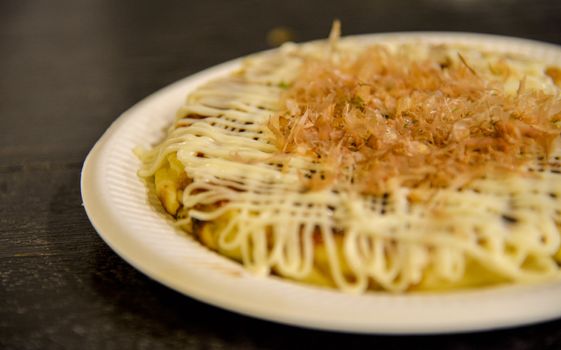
119 207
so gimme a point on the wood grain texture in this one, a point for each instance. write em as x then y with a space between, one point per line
69 68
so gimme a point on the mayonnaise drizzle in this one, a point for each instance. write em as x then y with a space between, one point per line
508 224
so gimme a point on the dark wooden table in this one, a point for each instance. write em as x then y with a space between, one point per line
69 68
